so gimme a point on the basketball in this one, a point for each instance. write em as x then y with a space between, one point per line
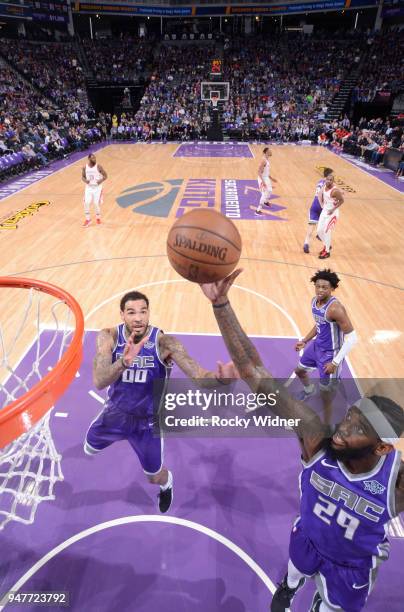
203 246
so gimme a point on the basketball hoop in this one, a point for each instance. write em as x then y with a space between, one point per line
214 100
29 463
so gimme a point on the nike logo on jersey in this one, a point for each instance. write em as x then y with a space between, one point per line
324 462
360 586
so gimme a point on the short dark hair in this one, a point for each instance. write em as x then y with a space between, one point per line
392 411
131 296
327 172
90 155
265 150
327 275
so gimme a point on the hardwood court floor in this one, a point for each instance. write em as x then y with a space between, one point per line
128 249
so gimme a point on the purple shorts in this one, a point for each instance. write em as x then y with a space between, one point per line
315 358
315 211
113 425
343 587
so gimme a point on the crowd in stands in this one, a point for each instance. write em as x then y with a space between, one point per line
368 141
384 61
171 107
118 60
53 68
33 133
281 89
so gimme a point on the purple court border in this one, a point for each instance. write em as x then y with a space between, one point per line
16 185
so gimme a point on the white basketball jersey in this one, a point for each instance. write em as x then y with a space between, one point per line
93 175
265 172
328 202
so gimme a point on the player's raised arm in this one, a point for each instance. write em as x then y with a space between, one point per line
251 369
172 349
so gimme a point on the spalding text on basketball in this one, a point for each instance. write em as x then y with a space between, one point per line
201 247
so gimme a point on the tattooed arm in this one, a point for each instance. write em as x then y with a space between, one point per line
309 429
104 371
171 348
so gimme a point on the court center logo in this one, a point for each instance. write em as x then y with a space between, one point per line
155 199
238 199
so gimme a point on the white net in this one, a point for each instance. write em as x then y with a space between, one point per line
30 465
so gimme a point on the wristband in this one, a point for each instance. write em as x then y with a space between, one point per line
221 305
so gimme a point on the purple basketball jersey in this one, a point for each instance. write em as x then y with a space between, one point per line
319 187
345 515
329 335
134 391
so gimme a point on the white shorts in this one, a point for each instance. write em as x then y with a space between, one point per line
265 187
93 194
327 222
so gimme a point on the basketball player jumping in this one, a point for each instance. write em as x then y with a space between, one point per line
330 199
327 343
264 181
315 211
352 483
93 175
130 359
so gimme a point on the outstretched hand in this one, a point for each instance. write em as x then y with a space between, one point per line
131 349
217 292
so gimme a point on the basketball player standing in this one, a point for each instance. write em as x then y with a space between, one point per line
93 175
330 199
130 360
327 343
315 211
352 483
264 181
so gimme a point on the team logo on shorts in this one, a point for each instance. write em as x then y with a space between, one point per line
373 487
155 199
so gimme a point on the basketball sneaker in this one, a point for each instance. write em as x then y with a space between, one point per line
165 499
268 204
324 254
284 595
98 221
306 248
259 213
87 222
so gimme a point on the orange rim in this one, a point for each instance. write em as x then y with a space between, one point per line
22 414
